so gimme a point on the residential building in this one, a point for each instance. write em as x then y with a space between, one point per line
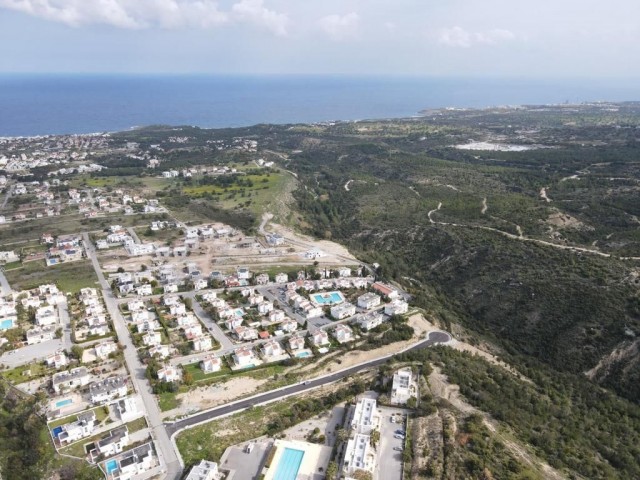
296 343
104 349
211 363
365 416
320 338
39 335
289 325
358 455
152 338
82 427
205 470
114 442
368 301
74 378
162 351
107 390
243 356
169 374
262 279
46 315
272 348
385 290
370 320
343 333
233 322
265 307
202 344
281 278
245 333
344 310
57 360
402 388
132 463
397 307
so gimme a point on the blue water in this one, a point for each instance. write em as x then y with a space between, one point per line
289 464
6 324
57 431
62 403
239 312
37 105
323 299
111 465
302 354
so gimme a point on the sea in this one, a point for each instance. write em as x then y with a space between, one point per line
71 104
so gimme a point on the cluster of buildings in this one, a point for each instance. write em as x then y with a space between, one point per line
63 249
359 453
93 321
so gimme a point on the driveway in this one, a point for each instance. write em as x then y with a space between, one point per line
389 461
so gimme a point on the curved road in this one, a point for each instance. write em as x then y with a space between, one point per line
175 427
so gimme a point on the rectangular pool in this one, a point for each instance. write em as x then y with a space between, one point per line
62 403
330 298
302 354
111 465
6 324
289 464
239 312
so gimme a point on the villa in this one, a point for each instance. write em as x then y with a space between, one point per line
152 338
343 333
320 338
114 442
343 310
368 301
205 470
289 325
243 357
201 344
245 333
162 351
397 307
368 321
211 364
74 378
272 348
108 389
169 374
296 343
71 432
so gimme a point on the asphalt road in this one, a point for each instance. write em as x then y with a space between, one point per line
173 428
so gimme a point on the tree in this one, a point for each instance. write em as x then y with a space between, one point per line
375 437
332 471
187 378
76 352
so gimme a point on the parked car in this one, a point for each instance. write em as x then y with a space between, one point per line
401 437
398 449
399 431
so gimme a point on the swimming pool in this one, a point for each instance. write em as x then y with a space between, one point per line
62 403
6 324
111 465
289 464
239 312
302 354
330 298
57 431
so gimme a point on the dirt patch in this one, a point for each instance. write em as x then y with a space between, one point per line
562 220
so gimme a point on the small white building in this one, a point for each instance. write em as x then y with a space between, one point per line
397 307
205 470
243 357
152 338
169 374
107 390
202 344
368 301
296 343
272 348
74 378
210 364
344 310
320 338
403 388
343 333
57 360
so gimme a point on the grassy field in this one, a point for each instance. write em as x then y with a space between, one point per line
209 441
168 401
70 277
32 230
17 375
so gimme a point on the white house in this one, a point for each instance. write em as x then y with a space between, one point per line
272 348
397 307
82 427
169 374
114 442
245 333
39 335
104 349
202 344
107 390
320 338
193 331
296 343
281 278
152 338
178 309
243 357
402 388
57 360
358 455
233 322
162 351
343 310
369 320
365 416
144 289
211 363
265 307
205 470
276 316
76 377
343 333
289 325
368 301
46 315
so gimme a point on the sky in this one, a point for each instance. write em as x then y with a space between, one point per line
513 38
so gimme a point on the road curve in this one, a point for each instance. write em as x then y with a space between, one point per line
175 427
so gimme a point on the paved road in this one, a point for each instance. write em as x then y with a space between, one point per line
213 327
173 428
133 234
137 371
7 197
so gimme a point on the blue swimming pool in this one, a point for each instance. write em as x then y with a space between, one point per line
111 465
57 431
289 464
62 403
6 324
328 298
302 354
239 312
